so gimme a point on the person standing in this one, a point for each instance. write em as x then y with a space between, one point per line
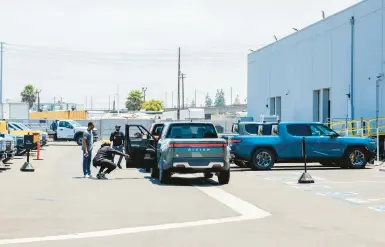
87 146
117 139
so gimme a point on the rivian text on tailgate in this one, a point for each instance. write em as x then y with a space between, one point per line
192 148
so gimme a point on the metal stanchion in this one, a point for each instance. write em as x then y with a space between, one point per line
28 144
305 177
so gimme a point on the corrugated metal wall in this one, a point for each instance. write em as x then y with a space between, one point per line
319 57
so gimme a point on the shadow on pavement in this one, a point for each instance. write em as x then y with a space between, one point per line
183 181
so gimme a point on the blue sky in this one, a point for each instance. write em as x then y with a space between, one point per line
76 49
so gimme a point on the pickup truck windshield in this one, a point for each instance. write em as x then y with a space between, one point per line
191 131
75 124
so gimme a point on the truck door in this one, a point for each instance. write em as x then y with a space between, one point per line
291 147
65 130
321 145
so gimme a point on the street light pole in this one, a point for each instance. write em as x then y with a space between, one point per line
38 91
144 89
379 78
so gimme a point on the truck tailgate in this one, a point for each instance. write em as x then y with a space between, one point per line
198 148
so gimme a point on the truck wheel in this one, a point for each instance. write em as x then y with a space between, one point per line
356 158
155 173
164 176
224 177
263 159
79 140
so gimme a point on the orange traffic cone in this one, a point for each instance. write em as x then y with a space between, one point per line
38 152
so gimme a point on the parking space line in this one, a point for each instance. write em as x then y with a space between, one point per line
121 231
244 208
247 210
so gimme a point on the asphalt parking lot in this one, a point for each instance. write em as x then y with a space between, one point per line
54 206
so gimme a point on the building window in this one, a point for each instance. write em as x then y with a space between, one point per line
278 107
316 105
272 106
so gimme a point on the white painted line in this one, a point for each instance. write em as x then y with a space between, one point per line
247 210
121 231
244 208
353 182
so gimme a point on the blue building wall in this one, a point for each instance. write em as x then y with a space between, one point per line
319 57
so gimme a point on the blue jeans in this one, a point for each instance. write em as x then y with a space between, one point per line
87 163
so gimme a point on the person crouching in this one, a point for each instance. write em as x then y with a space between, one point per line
104 158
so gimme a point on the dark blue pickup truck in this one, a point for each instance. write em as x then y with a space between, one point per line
283 145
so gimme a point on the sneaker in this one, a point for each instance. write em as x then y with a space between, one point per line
99 176
104 176
87 176
90 176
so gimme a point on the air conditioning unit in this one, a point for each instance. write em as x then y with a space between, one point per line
269 119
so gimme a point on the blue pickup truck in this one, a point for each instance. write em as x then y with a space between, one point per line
284 145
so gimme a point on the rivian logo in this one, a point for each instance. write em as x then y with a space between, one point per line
199 149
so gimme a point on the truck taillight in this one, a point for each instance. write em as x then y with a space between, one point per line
235 141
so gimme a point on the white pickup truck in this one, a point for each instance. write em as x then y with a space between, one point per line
72 130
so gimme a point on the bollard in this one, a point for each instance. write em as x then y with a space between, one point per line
38 152
28 144
27 167
305 177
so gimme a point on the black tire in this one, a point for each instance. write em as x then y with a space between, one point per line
164 176
155 172
356 158
224 177
263 159
208 175
79 140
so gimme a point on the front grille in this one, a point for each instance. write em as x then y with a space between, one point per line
8 145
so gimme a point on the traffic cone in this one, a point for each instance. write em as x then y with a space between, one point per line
38 152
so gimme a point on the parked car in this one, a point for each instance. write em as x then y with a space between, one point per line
21 126
183 147
7 150
323 145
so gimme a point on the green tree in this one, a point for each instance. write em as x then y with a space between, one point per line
29 95
134 100
220 98
208 100
153 105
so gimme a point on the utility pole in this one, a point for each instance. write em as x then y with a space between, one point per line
172 99
144 89
117 98
86 103
165 100
183 77
38 91
178 111
109 102
91 103
195 98
231 95
1 71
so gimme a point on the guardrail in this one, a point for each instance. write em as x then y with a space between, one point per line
362 127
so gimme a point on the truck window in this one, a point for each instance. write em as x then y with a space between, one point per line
64 124
298 129
320 130
251 128
191 131
157 130
235 128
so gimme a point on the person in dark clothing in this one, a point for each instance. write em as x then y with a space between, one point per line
117 139
104 158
